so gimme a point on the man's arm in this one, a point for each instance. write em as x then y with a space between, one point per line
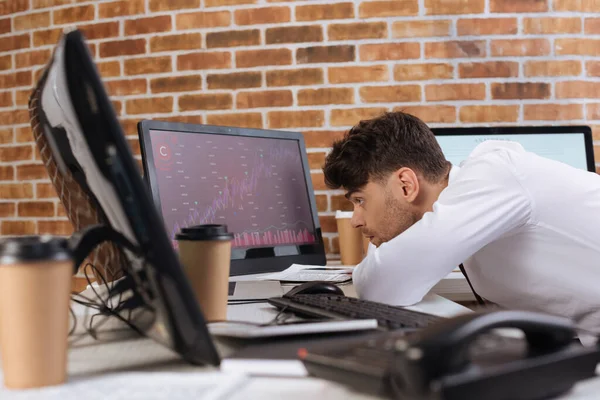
484 202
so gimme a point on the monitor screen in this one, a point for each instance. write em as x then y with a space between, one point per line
567 147
254 185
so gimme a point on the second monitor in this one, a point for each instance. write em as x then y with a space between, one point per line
257 182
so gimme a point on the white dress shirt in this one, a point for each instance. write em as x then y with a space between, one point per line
526 228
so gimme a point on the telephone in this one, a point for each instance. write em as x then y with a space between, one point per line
465 358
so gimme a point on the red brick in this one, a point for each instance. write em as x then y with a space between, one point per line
371 9
147 65
325 54
389 51
31 21
55 228
46 37
520 90
242 120
125 87
6 99
371 73
351 116
36 209
220 3
14 117
14 42
321 138
44 190
102 30
316 161
16 228
8 209
5 26
437 7
487 26
73 14
577 90
266 15
552 112
582 47
204 60
184 41
13 6
592 26
318 181
511 6
490 69
122 47
520 47
176 84
295 77
150 105
296 119
551 26
427 28
340 202
414 72
357 30
6 136
50 3
7 173
16 153
390 94
23 134
455 49
16 191
140 26
324 11
216 101
294 34
320 199
577 5
311 97
256 58
592 112
236 80
162 5
6 62
442 114
592 68
202 19
120 8
269 98
22 97
15 79
233 38
472 114
552 68
459 91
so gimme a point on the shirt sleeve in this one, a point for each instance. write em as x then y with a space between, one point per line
483 202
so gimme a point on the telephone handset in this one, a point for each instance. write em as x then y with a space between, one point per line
436 362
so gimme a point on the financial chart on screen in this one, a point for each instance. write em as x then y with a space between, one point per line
567 148
254 185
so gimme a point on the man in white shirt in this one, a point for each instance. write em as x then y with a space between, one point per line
526 228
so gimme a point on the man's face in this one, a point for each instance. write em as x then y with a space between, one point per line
379 214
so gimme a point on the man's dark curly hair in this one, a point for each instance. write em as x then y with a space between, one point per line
377 147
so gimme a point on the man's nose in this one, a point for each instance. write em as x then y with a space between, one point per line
357 220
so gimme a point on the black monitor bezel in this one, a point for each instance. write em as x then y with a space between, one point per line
259 260
527 130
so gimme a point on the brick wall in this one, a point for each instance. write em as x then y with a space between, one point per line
310 66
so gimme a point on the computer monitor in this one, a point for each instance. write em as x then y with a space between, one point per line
85 151
568 144
255 181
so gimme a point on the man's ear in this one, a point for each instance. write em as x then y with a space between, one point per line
405 184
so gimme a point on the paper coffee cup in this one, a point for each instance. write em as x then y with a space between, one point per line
351 239
35 288
205 252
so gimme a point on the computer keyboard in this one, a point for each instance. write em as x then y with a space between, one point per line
342 307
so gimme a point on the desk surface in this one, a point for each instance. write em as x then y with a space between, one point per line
123 367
